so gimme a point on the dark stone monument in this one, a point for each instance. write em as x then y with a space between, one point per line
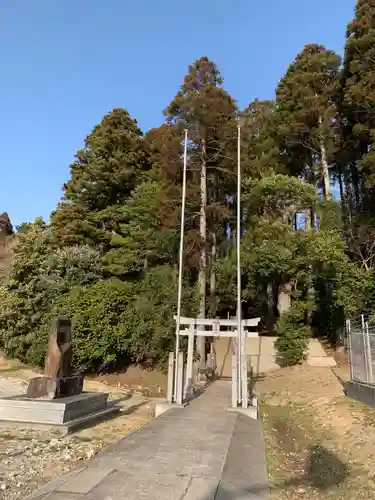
6 227
56 399
58 380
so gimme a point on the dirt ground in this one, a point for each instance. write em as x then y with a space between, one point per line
319 443
149 382
31 457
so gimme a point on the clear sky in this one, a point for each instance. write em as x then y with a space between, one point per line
65 63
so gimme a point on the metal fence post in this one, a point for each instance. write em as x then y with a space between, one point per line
368 355
365 352
350 348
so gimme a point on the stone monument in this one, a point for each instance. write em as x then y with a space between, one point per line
57 399
57 381
6 228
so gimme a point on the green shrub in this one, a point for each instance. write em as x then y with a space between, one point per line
97 312
116 322
150 320
39 275
294 335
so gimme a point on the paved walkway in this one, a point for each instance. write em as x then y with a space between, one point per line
200 452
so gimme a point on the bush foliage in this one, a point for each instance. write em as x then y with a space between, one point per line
294 335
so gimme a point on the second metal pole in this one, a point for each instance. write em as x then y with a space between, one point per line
181 257
239 328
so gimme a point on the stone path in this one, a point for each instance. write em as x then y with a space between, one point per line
200 452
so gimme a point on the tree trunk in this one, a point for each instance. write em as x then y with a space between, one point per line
343 200
284 301
203 259
311 227
312 219
341 186
295 222
310 179
345 213
212 197
311 300
349 200
355 184
271 319
325 170
308 220
213 275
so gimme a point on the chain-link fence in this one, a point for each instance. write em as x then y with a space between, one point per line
361 347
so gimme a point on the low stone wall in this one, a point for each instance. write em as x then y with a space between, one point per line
263 355
364 393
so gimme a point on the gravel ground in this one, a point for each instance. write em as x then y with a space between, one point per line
11 387
29 458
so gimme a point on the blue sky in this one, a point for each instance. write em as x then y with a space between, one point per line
65 63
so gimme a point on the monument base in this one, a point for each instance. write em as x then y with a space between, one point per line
51 388
65 414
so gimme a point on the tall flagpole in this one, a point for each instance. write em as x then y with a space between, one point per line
181 258
239 329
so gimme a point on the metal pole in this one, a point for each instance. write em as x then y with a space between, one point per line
170 377
234 375
350 348
239 329
365 352
179 293
368 355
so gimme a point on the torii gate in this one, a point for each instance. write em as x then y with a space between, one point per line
195 327
180 387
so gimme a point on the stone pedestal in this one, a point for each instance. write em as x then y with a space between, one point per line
64 414
56 399
53 388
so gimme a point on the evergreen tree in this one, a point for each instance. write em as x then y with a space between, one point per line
356 99
103 175
166 152
148 235
108 168
74 225
260 149
209 113
307 114
358 84
164 145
